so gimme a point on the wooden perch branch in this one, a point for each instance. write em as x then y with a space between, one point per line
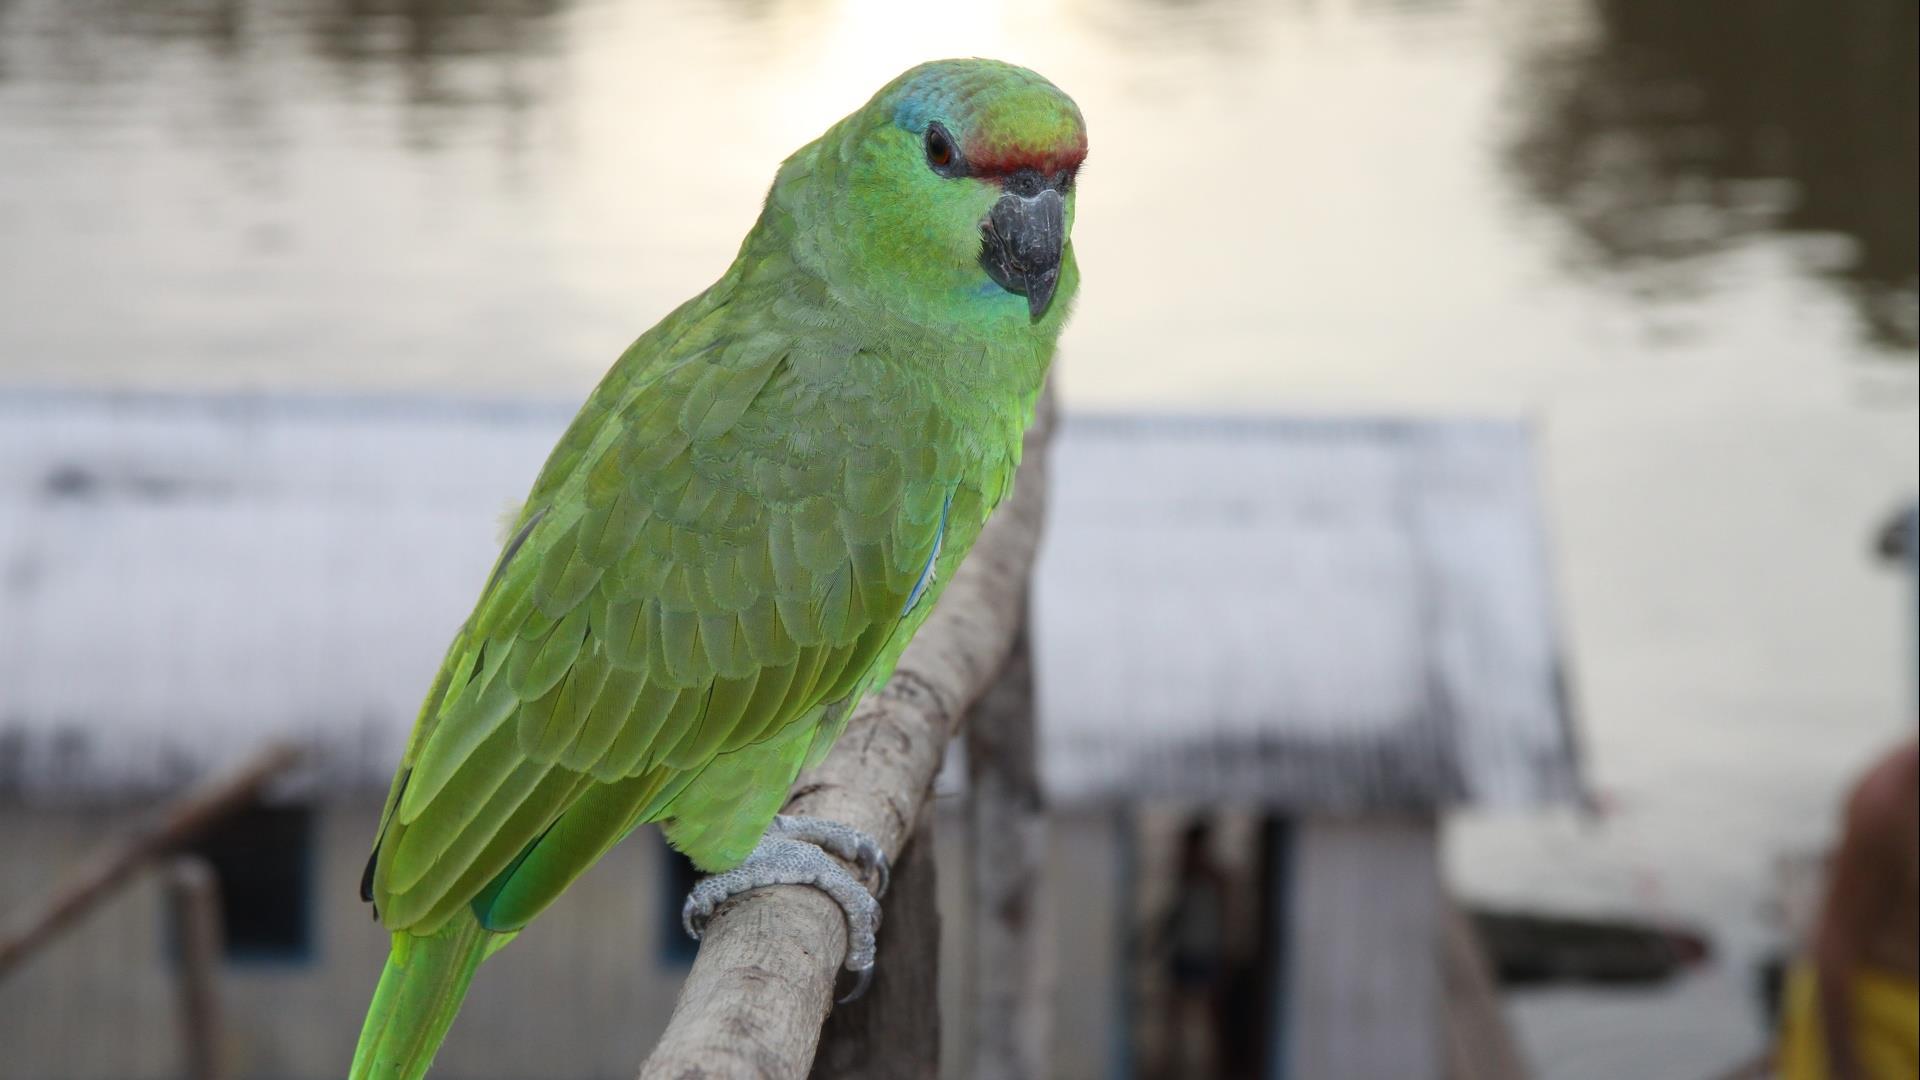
103 874
752 1006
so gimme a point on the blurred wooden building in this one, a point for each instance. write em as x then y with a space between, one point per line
1321 634
187 579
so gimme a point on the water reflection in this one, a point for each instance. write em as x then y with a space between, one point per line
438 46
434 45
361 30
1678 131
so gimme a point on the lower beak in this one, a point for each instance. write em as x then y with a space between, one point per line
1020 246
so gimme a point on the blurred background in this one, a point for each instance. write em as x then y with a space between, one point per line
1676 242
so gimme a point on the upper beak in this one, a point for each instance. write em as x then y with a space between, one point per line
1020 244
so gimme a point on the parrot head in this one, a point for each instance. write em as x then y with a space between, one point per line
955 187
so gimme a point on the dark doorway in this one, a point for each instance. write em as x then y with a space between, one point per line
263 859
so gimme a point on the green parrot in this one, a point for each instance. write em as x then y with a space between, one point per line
736 537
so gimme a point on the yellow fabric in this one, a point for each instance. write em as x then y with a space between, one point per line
1886 1024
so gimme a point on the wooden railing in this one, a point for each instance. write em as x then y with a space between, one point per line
754 1003
116 863
191 888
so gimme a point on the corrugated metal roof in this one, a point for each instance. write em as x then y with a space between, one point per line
1307 612
1325 615
182 579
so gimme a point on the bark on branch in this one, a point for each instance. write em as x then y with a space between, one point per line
752 1005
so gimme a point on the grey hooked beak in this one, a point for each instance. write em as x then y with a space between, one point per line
1021 240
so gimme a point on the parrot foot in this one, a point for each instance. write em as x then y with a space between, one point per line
794 852
845 841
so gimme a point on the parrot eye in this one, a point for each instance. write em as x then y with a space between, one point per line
942 156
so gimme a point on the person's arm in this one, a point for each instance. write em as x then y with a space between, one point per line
1855 891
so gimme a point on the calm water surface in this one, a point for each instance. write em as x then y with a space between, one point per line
1681 236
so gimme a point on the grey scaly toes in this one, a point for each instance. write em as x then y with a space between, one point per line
845 841
791 854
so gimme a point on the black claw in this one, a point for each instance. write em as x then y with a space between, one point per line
862 978
884 871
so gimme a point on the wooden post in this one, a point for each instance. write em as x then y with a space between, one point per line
110 867
762 984
893 1033
1480 1045
1126 885
193 892
1007 842
1364 992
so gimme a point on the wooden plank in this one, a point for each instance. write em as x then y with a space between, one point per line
1363 950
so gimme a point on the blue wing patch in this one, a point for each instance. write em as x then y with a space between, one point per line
926 572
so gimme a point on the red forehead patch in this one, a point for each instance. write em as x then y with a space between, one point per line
1007 159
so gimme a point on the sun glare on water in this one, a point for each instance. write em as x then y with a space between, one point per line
862 44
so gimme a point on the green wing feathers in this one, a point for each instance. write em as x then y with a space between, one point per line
708 573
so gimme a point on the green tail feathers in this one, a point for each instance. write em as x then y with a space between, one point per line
419 994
